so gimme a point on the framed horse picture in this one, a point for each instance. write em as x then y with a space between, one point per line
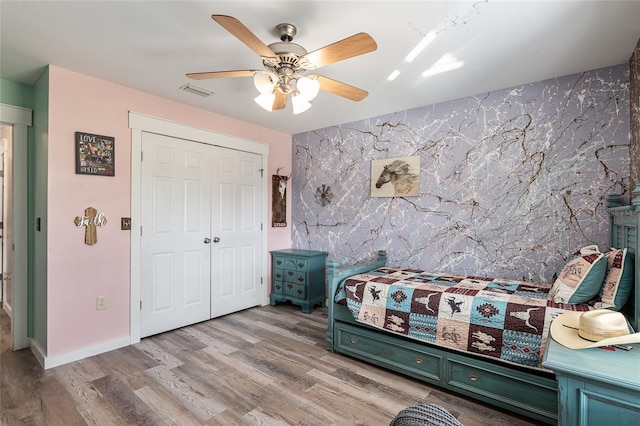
396 177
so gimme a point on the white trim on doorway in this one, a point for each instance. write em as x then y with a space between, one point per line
20 118
139 123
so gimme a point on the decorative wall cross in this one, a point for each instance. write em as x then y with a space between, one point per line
90 221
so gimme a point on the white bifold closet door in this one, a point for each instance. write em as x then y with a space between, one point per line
201 237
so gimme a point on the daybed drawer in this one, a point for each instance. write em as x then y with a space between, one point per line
378 349
537 396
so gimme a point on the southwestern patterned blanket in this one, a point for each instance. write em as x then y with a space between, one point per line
502 319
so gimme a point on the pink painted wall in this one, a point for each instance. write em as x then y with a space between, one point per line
78 273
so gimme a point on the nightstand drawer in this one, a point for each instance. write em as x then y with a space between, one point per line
278 274
595 386
295 290
278 287
295 276
599 404
278 262
300 264
291 263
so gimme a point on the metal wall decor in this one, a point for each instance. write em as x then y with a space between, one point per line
323 195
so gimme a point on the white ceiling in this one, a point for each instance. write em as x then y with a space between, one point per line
150 45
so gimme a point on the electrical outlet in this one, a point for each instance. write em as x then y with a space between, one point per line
101 302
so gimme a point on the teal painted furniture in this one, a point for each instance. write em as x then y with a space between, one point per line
528 392
298 276
596 386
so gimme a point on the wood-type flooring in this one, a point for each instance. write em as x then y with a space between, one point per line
263 366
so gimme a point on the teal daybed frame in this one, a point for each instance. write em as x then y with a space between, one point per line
524 391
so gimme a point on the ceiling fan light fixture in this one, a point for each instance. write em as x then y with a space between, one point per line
308 87
285 64
300 104
265 81
265 100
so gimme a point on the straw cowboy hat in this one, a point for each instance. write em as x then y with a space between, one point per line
592 329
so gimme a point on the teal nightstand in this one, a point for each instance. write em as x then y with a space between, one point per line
595 386
298 276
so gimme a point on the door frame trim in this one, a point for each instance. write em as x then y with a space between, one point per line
20 118
139 123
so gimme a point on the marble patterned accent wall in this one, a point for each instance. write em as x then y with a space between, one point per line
634 65
512 181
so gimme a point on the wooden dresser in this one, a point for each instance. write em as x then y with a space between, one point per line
595 386
298 276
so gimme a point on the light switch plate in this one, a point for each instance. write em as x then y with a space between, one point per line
101 302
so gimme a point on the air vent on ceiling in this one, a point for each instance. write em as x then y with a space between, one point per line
200 91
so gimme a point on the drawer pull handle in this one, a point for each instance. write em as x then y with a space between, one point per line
419 361
301 279
354 341
290 273
278 262
300 265
473 377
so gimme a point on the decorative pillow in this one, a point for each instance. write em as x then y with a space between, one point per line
619 280
589 249
584 250
581 278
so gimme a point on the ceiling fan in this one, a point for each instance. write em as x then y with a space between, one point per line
286 64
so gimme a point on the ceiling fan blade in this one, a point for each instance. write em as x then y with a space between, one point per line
341 89
355 45
221 74
243 34
280 101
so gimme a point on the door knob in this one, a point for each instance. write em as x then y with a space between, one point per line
207 240
216 239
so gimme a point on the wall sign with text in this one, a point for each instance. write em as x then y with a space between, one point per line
91 220
95 154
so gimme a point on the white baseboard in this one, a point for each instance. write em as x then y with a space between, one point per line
37 351
7 309
55 361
